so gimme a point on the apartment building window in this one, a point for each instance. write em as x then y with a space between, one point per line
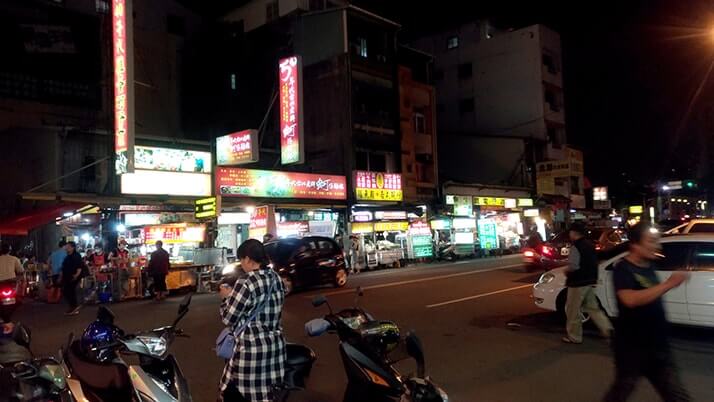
272 11
233 82
555 137
175 25
374 161
419 123
549 63
452 42
466 71
466 105
101 6
551 98
362 47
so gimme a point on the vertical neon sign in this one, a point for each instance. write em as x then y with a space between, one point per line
123 47
292 149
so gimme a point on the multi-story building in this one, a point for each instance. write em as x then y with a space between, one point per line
351 95
56 100
499 102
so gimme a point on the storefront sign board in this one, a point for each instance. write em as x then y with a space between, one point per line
391 226
292 149
487 234
237 148
123 61
378 186
238 182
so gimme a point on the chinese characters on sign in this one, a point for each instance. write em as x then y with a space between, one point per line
178 233
123 86
377 186
237 182
291 122
237 148
172 160
599 193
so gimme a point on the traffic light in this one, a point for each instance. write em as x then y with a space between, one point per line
690 184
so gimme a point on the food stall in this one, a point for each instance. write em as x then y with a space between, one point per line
390 241
419 240
181 241
464 235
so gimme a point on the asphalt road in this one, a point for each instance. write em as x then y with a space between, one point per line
484 338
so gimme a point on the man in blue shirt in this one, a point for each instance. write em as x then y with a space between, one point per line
56 259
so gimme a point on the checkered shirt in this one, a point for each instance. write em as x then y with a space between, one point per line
259 357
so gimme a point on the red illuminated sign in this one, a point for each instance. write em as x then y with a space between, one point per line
237 182
378 186
123 86
259 218
291 122
237 148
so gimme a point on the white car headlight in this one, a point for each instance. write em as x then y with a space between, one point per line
229 269
156 346
546 278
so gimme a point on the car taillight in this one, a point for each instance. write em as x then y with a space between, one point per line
7 293
598 247
529 253
548 251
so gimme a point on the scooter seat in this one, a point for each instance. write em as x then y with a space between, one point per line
105 381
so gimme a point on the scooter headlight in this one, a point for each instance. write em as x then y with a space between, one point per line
156 346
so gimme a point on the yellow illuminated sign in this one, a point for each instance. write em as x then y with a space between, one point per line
637 209
205 208
391 226
362 227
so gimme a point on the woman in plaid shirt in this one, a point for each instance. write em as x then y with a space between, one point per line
258 361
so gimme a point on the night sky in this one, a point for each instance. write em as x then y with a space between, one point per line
630 70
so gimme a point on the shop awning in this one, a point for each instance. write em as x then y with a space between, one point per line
22 223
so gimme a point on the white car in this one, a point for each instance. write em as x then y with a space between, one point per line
693 226
690 304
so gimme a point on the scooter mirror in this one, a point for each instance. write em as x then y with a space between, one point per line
105 315
21 335
416 351
183 307
319 300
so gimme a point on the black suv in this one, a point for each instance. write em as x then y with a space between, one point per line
306 262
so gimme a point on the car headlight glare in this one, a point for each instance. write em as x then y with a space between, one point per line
229 269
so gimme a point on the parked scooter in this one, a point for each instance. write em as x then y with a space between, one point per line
97 372
446 251
369 350
24 377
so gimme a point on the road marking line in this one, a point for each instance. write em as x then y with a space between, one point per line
432 278
478 296
477 262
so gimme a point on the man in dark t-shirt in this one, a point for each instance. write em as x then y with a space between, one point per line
640 344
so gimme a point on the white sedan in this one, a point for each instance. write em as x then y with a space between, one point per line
690 304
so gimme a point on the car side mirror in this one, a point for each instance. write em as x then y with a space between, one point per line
319 300
183 307
416 351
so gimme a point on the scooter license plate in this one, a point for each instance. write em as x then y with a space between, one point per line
6 302
565 251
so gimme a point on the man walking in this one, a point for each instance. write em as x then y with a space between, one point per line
71 275
158 269
582 274
56 259
641 346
